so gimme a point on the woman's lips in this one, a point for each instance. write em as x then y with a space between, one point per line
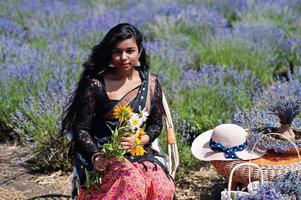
124 64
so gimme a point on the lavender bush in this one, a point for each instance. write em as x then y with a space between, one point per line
39 120
280 13
209 96
233 10
277 102
268 27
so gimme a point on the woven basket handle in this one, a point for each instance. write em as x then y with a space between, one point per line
295 146
240 165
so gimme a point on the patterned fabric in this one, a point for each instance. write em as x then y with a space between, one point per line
229 151
131 181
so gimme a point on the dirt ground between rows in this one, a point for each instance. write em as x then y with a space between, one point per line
17 182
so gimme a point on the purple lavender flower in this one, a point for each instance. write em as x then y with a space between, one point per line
9 27
289 184
172 49
232 9
272 93
264 37
254 118
285 108
274 103
223 78
187 131
267 192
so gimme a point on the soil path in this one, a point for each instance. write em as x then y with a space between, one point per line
17 182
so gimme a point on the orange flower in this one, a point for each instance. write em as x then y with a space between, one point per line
139 133
138 151
138 141
122 112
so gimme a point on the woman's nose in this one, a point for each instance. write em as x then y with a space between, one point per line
123 56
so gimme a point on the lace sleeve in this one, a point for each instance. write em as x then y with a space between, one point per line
84 143
154 122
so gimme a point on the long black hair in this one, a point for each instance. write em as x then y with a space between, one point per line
97 63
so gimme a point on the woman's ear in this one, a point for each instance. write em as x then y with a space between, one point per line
138 64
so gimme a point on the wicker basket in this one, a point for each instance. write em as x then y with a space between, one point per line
271 164
226 195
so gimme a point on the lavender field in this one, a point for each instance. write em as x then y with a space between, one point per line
214 59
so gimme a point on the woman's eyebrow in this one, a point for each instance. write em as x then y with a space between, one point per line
122 48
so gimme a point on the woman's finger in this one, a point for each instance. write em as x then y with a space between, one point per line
125 144
126 134
126 139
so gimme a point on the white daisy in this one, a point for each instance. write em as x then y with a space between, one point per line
144 114
135 122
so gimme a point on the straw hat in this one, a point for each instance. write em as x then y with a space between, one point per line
225 142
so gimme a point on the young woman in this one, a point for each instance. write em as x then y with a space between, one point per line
116 73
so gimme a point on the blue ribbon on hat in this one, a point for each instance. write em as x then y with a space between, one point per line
229 151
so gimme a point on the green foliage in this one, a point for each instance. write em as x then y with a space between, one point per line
112 148
284 17
228 10
12 95
187 161
92 177
114 3
39 43
205 108
40 125
171 71
50 153
232 52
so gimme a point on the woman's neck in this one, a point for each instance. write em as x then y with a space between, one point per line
122 74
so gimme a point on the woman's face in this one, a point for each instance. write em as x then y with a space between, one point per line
125 54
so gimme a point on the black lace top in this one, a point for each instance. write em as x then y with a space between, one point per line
91 129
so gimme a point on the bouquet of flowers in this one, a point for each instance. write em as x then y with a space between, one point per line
130 123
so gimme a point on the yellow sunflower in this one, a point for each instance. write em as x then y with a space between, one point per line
122 112
141 132
138 151
138 141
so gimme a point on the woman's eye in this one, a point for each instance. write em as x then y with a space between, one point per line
119 52
116 52
130 51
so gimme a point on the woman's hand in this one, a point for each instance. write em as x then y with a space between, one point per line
100 163
128 142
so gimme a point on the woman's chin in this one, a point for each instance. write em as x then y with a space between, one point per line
125 67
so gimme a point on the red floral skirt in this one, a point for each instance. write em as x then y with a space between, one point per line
126 180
